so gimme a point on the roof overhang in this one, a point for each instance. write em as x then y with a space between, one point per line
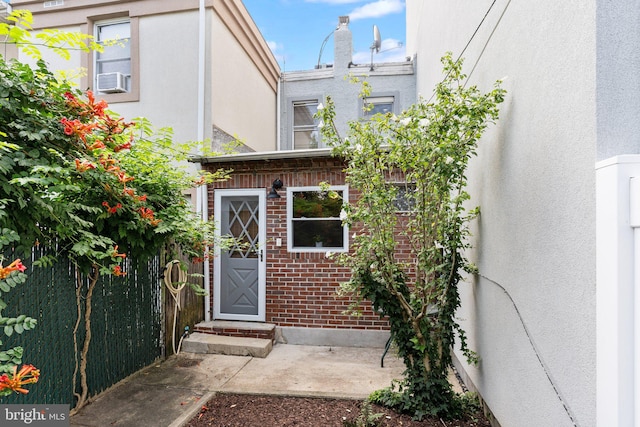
264 156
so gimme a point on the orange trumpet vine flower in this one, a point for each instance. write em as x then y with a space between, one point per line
115 253
117 271
28 374
14 266
85 165
112 209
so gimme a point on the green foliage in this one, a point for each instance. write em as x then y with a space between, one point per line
17 30
470 404
17 324
427 147
9 359
158 165
77 177
366 418
10 277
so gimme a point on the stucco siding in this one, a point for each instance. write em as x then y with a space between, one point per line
343 83
168 89
534 242
245 101
618 78
56 62
241 73
345 94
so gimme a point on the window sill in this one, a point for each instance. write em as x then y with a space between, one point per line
116 98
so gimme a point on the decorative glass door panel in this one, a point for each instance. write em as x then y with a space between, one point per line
240 279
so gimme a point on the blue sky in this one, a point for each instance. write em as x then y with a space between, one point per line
295 29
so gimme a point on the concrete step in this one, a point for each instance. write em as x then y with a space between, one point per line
199 342
237 329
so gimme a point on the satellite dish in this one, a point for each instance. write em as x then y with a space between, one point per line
376 44
376 39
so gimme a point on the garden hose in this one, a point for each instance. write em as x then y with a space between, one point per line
175 290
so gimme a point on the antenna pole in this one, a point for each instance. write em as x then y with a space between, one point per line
372 49
324 42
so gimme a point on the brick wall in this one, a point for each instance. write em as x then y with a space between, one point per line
301 287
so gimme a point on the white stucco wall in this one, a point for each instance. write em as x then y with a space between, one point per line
168 83
71 66
618 79
534 181
240 77
245 103
168 89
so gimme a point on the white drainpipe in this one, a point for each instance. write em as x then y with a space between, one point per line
201 69
634 221
278 113
201 197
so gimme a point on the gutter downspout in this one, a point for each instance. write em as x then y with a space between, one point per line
278 112
634 222
201 69
202 201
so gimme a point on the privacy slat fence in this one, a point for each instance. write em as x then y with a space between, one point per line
128 325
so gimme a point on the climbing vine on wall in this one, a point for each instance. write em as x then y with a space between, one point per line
430 144
77 177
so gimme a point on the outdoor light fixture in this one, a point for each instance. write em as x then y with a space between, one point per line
275 185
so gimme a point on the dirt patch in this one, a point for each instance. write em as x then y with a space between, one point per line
244 410
188 363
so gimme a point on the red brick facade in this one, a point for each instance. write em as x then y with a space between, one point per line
301 288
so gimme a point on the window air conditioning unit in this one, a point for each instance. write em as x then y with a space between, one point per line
112 82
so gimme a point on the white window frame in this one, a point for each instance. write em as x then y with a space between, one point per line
312 128
96 27
345 229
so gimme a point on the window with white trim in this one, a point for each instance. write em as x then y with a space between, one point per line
377 104
113 66
305 125
314 219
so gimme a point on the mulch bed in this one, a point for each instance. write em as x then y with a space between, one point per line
244 410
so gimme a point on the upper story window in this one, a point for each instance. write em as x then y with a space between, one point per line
378 104
113 66
314 219
305 126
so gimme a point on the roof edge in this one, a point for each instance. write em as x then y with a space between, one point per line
264 155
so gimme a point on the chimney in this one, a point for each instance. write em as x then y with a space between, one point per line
343 46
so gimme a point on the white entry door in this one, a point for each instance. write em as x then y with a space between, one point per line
239 271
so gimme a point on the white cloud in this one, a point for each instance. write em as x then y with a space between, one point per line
389 44
334 1
377 9
391 50
276 49
273 45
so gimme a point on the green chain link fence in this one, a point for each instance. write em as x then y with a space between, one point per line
126 327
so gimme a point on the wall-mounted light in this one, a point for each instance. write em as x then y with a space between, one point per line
275 185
